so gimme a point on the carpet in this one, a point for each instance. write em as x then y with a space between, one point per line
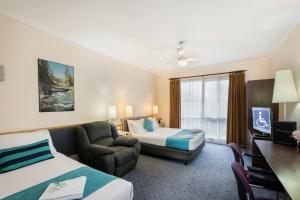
209 176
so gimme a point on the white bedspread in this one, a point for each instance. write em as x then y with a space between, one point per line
20 179
159 136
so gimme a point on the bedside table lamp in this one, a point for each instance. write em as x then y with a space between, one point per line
155 110
284 89
128 111
155 113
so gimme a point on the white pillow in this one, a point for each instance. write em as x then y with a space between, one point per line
136 126
129 124
20 139
155 123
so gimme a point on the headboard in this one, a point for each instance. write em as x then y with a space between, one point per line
64 140
125 124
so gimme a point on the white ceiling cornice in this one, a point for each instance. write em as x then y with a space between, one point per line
144 33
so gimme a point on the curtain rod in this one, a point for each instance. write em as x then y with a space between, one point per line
184 77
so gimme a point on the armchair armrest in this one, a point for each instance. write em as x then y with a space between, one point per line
253 156
260 170
97 150
262 177
99 157
125 141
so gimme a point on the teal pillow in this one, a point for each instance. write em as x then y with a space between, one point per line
148 125
21 156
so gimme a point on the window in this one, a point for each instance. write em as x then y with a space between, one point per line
204 106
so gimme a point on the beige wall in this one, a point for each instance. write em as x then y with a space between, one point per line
257 69
99 80
287 56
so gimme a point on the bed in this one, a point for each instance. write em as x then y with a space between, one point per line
21 181
161 142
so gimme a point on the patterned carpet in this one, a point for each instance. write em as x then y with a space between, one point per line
209 176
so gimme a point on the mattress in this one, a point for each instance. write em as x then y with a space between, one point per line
159 137
26 177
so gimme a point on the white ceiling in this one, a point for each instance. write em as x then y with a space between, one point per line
144 33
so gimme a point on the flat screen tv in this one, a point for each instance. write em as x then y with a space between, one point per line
262 120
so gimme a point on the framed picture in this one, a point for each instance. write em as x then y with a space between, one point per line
56 86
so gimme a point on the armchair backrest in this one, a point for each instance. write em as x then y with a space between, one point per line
100 132
244 189
238 156
97 130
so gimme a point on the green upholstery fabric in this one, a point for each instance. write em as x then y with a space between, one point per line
98 130
125 141
123 155
107 141
100 147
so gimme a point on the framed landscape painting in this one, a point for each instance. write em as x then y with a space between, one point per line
56 86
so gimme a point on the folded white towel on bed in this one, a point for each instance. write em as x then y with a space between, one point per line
65 190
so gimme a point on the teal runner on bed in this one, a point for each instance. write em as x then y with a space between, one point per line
95 180
181 139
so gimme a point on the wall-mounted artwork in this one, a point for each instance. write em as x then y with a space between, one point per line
56 86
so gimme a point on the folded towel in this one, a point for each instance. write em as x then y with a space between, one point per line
65 190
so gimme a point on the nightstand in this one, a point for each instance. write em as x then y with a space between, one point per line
161 125
124 133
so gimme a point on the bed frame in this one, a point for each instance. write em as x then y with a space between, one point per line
63 138
154 150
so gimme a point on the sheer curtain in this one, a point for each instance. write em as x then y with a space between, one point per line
204 106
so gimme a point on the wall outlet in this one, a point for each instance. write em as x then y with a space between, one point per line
1 73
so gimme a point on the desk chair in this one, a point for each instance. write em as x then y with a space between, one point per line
238 156
258 177
242 181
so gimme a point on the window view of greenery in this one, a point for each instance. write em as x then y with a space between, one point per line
204 106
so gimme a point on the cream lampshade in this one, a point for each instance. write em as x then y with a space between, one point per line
128 111
112 112
155 110
284 88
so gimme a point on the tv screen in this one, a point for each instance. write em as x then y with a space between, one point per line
262 119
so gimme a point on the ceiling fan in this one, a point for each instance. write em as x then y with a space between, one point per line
182 59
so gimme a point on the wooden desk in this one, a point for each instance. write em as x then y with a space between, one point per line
285 162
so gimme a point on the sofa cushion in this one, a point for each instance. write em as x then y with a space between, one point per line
98 130
117 148
124 154
107 141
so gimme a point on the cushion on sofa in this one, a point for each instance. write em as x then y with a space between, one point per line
97 130
107 141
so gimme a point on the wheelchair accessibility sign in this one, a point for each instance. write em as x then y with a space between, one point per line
261 119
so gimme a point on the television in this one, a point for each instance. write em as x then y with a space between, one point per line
261 118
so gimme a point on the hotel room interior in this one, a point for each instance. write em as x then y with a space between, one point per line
149 100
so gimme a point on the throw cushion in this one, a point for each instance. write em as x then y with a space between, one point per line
21 156
148 125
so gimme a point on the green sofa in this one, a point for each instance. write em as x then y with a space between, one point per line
101 147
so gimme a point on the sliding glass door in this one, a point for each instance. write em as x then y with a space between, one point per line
204 106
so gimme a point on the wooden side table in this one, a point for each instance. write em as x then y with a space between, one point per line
124 133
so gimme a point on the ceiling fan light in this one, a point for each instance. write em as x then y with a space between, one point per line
181 62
